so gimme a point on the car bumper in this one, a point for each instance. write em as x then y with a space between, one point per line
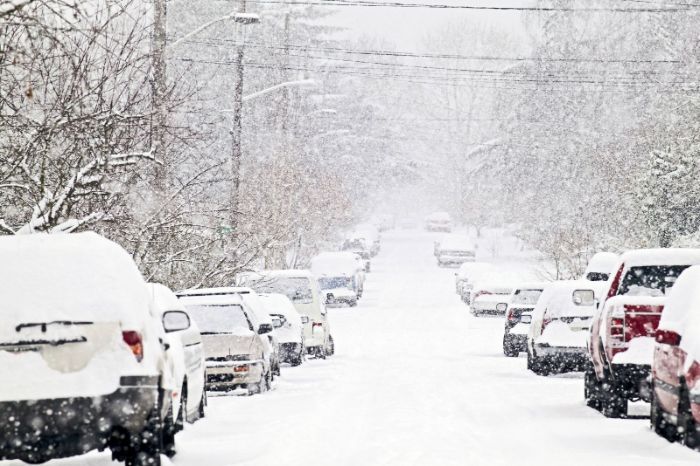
230 375
57 428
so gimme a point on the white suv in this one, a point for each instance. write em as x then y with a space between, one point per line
87 353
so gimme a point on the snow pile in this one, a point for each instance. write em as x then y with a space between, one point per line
76 277
639 352
334 264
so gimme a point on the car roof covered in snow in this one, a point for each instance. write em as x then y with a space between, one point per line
333 263
557 298
286 273
163 299
531 286
602 262
440 216
69 277
661 256
470 267
682 301
224 295
277 303
493 285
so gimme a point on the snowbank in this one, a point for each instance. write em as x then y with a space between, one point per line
640 352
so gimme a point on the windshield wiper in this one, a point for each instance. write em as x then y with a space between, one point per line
43 325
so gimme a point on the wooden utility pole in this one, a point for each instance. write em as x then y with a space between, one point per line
237 131
160 90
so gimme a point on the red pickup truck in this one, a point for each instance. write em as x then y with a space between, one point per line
675 404
622 337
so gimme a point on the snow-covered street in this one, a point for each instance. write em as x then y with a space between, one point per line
416 380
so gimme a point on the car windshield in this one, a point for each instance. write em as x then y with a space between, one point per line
297 289
528 297
330 283
219 318
650 280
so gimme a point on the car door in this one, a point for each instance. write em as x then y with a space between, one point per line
194 364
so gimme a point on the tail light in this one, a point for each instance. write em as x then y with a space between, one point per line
317 324
133 339
667 337
238 369
616 331
692 376
510 316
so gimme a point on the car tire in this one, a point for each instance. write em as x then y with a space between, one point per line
330 351
509 349
690 435
182 413
352 303
536 365
146 447
297 359
613 405
659 425
202 404
591 388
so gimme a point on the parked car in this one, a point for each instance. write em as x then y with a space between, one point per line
561 321
455 250
236 345
358 248
487 296
439 221
519 307
469 273
339 276
185 355
675 406
301 287
80 334
621 343
290 331
601 266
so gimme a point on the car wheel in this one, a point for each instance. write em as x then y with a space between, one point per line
330 350
591 388
202 404
182 413
352 303
659 425
613 405
509 349
145 447
690 434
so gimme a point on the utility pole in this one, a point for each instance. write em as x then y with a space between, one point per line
237 132
160 104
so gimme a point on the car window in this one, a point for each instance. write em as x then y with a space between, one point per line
219 318
297 289
597 277
650 280
330 283
528 297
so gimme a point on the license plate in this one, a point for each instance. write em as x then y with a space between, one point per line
525 319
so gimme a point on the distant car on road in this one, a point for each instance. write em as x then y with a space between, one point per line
439 221
601 266
468 274
520 305
561 320
487 297
455 250
290 332
235 341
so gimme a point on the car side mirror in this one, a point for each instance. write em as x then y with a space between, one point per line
264 329
175 321
583 297
276 322
304 320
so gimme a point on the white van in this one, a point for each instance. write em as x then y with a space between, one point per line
301 287
81 351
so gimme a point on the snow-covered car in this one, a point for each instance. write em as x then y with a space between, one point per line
601 266
487 296
290 331
80 334
454 250
301 287
675 401
561 320
439 221
359 247
235 339
468 274
621 343
518 317
185 354
339 277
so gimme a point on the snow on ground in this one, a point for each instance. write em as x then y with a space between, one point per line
416 381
